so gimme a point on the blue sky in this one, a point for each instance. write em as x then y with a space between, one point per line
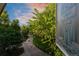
14 8
22 11
18 11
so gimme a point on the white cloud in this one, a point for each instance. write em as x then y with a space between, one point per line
17 12
25 18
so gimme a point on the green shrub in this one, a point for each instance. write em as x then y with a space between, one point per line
10 34
43 29
9 37
25 31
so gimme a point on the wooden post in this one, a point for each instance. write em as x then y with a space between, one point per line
2 6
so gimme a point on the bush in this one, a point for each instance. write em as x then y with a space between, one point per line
46 48
43 29
10 34
25 31
9 38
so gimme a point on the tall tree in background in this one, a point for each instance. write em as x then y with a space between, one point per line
15 24
5 18
25 31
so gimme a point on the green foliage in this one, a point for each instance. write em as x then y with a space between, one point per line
25 31
9 37
10 33
15 24
4 18
43 29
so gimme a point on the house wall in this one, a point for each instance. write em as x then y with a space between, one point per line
67 36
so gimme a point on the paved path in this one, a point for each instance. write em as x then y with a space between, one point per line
31 50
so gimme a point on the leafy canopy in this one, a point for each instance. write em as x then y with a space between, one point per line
43 29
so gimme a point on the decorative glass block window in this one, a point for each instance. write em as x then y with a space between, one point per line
67 34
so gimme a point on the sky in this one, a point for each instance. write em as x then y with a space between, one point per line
23 11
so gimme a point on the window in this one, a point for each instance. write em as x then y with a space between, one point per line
67 28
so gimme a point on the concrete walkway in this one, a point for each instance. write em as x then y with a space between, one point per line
32 50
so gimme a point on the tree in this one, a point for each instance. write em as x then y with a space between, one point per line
43 29
5 18
25 31
15 24
10 35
